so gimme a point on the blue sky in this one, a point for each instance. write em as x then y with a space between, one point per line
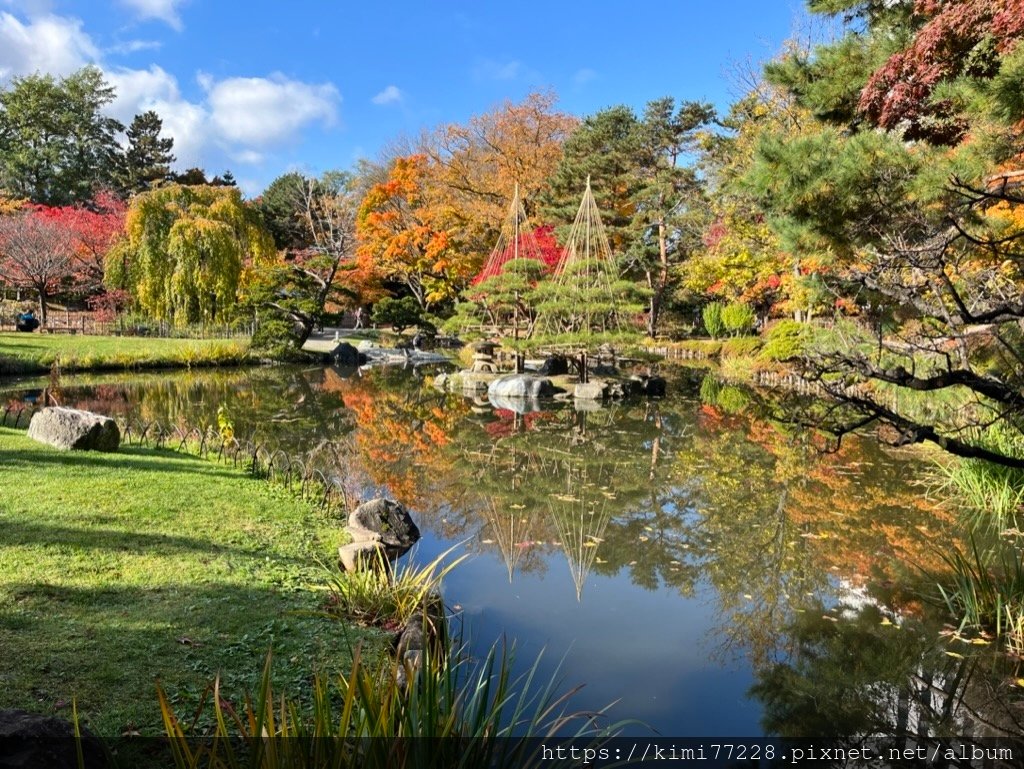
263 87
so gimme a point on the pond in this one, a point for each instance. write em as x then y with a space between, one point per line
707 570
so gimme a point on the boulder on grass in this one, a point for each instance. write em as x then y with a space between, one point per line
74 429
521 386
32 741
381 520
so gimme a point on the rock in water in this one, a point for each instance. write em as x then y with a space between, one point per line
521 386
74 429
381 520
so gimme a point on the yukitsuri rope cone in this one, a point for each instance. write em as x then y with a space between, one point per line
515 241
585 300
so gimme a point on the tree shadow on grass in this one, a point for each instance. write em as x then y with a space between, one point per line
130 458
107 646
115 540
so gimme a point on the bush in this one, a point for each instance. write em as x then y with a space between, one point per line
712 317
400 314
786 340
738 318
740 346
275 339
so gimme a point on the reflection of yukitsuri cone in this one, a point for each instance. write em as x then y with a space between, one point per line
581 524
586 301
512 531
580 530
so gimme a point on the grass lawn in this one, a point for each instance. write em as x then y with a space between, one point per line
118 569
37 353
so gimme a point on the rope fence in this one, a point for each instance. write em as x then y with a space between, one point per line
259 459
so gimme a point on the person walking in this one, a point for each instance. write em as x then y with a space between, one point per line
359 317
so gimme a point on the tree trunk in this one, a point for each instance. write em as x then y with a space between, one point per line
658 286
42 305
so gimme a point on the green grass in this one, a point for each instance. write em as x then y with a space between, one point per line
39 353
120 569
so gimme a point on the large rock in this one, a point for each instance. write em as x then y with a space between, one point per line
347 355
652 386
364 556
31 741
520 386
381 520
74 429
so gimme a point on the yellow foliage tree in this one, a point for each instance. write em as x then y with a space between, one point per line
186 250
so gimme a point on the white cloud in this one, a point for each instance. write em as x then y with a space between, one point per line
139 89
188 125
257 111
389 95
164 10
155 89
248 157
241 118
30 7
47 44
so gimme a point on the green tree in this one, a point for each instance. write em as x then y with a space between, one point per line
148 157
186 250
925 227
56 146
323 273
650 198
669 200
603 148
282 205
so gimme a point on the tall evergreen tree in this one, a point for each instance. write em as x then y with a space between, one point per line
148 157
56 146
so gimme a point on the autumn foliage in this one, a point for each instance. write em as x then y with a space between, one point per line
962 37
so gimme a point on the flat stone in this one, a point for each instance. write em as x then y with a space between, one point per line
74 429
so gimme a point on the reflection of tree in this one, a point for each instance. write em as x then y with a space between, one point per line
286 407
404 426
853 675
774 519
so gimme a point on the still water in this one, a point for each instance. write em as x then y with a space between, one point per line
703 570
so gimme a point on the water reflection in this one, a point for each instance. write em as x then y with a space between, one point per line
716 571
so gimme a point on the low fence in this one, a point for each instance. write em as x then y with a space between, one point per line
260 460
94 324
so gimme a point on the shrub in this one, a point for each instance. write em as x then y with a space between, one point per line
740 346
274 338
786 340
738 318
378 597
400 314
712 317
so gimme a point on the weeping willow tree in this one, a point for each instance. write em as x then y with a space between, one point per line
186 251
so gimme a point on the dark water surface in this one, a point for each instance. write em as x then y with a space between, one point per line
711 572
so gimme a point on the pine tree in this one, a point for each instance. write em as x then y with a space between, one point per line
148 158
